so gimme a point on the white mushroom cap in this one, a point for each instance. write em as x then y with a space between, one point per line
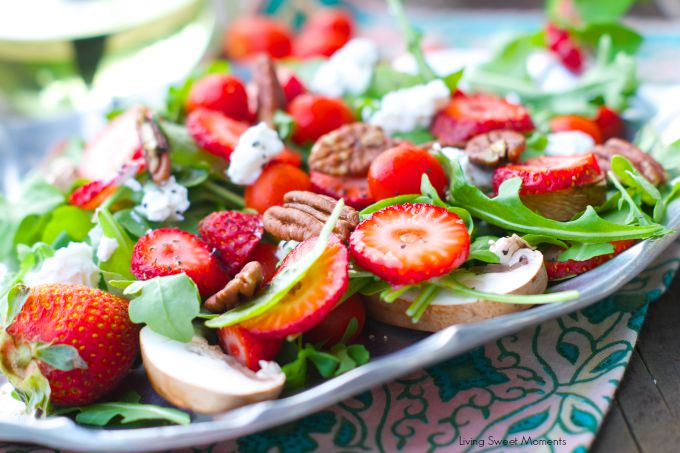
200 377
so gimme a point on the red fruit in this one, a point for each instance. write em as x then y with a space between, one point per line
467 116
410 243
564 47
215 132
550 173
288 156
275 181
610 123
170 251
95 323
332 328
291 84
265 254
576 123
116 145
315 116
92 195
233 234
247 348
222 93
399 171
354 190
249 36
324 33
312 298
563 269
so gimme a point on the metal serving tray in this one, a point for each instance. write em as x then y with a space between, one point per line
404 352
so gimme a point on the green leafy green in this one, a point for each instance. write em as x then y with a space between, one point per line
168 305
583 252
413 39
416 136
284 124
11 303
629 176
449 282
127 411
71 220
624 39
602 10
507 211
119 263
340 359
672 193
133 222
479 250
283 282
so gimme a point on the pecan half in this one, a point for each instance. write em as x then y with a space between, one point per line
495 148
303 215
349 150
270 95
241 288
643 162
155 146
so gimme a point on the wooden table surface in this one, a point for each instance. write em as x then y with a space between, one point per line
645 416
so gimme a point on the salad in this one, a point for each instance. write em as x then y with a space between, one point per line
238 238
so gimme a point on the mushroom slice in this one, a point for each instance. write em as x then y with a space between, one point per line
521 271
199 377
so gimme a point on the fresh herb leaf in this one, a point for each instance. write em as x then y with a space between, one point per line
507 211
133 222
340 359
602 10
119 263
584 252
635 212
624 39
629 176
71 220
168 305
537 239
662 206
282 283
479 250
666 155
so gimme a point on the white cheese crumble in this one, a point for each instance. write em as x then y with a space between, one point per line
107 247
548 73
71 264
164 203
348 71
506 248
284 248
256 146
411 108
476 175
569 143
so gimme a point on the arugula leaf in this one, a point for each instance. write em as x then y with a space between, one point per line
537 239
635 212
168 305
624 39
71 220
449 282
282 283
629 176
507 211
11 303
133 222
119 263
584 252
340 359
413 39
602 10
479 250
666 155
129 410
662 206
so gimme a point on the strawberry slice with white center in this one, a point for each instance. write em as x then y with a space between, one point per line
247 348
551 173
115 147
312 298
410 243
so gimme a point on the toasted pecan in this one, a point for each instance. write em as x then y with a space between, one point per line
643 162
495 148
239 289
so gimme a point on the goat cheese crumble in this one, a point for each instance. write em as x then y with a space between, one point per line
411 108
348 71
71 264
164 203
548 73
106 248
256 146
568 143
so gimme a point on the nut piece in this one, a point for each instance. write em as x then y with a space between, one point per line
239 289
643 162
155 146
303 215
270 95
495 148
349 150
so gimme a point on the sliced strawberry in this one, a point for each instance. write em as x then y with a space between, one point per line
611 124
247 348
288 156
551 173
233 234
354 190
467 116
564 47
92 195
170 251
410 243
215 132
265 254
312 298
291 83
563 269
115 146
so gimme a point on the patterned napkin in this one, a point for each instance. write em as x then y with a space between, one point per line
546 388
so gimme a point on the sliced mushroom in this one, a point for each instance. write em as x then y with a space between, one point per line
521 271
200 377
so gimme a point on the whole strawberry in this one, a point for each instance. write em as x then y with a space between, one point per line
69 345
233 234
